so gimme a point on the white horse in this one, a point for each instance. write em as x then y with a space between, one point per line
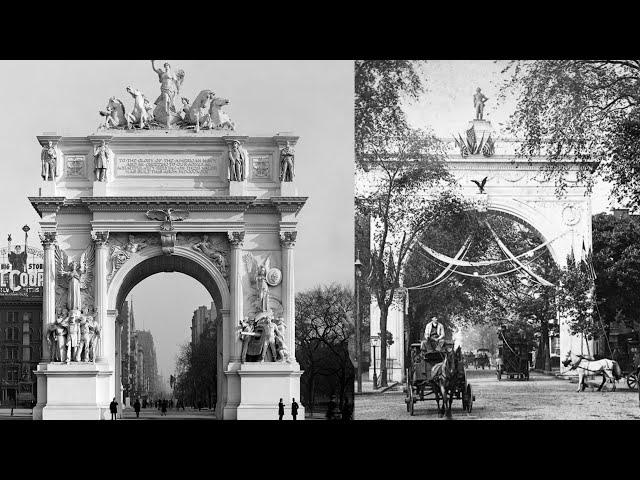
609 369
114 114
220 119
139 114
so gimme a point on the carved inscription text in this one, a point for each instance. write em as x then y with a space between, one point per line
167 165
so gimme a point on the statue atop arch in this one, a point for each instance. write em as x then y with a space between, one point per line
479 99
170 83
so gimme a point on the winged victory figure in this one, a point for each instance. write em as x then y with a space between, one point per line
258 276
77 274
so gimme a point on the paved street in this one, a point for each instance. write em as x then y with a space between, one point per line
541 398
154 414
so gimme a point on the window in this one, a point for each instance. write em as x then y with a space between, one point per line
12 334
26 354
12 317
12 374
11 353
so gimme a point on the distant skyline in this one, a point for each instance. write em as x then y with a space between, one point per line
312 99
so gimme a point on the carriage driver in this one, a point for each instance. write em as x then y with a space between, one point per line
433 336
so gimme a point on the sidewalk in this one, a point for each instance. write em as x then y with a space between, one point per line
17 413
367 388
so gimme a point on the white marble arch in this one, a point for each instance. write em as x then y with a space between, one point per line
228 345
514 188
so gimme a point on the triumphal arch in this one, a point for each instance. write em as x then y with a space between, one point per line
490 173
167 188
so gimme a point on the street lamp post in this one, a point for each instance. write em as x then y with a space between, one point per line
358 271
375 342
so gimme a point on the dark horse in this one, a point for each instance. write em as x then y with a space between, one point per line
444 378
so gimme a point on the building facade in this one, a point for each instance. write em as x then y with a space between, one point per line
201 317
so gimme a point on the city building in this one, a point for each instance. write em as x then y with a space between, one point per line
20 322
201 316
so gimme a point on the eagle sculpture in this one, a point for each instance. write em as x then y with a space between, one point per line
167 216
480 184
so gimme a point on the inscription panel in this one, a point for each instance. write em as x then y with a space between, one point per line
75 166
167 165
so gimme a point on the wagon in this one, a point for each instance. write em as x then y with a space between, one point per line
421 386
514 356
482 358
469 359
627 354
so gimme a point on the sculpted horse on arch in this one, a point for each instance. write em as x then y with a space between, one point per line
219 118
114 113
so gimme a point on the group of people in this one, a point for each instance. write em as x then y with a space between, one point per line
333 409
73 336
294 409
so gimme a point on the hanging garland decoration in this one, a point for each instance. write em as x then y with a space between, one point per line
458 260
514 259
443 275
482 263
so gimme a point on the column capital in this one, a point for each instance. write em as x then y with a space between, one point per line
236 239
288 239
47 238
100 238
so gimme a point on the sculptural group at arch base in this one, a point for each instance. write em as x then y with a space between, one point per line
517 188
167 200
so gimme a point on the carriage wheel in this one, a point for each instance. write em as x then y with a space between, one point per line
632 381
469 395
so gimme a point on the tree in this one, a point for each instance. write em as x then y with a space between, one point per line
584 112
324 327
396 165
576 299
483 304
196 377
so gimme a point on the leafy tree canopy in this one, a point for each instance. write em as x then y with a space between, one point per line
584 112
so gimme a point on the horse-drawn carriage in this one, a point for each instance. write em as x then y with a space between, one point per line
468 358
482 358
437 375
627 354
514 355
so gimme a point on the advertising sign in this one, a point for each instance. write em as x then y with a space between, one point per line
21 268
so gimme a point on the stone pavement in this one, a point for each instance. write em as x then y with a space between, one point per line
18 414
543 397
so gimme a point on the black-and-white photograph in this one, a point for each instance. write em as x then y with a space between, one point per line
497 239
187 230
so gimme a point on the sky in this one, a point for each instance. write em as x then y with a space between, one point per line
312 99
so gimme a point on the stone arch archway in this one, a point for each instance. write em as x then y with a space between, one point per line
151 261
517 188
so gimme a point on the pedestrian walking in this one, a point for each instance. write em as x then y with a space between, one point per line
331 408
164 407
347 410
294 408
280 410
136 407
113 407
